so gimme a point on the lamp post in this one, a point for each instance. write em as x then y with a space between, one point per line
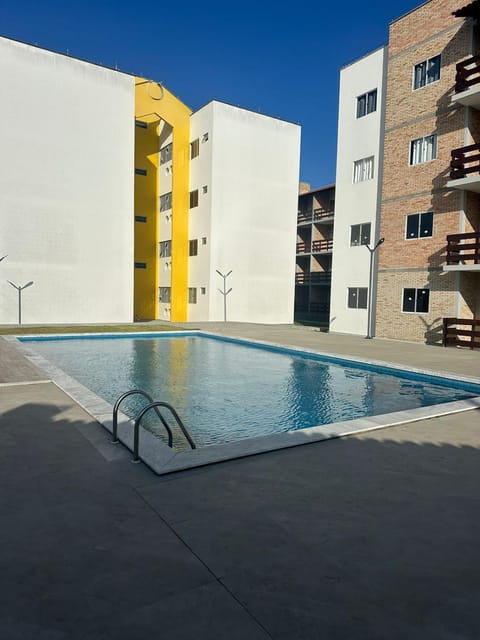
370 286
224 292
20 289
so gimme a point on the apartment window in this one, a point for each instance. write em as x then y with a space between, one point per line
363 169
205 188
140 172
419 225
205 137
164 294
203 290
194 148
140 265
415 300
140 124
357 297
166 201
360 234
193 199
204 240
166 154
140 218
165 249
192 295
366 103
192 247
426 72
423 149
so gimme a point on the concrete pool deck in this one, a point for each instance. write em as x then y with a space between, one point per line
372 536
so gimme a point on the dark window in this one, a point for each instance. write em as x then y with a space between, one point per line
415 300
193 199
205 137
166 201
366 103
140 218
166 154
164 294
140 124
357 297
140 172
360 234
419 225
192 247
165 249
194 148
140 265
192 295
426 72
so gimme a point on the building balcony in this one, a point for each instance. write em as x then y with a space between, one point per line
322 246
317 215
303 247
463 252
314 278
465 168
467 83
458 332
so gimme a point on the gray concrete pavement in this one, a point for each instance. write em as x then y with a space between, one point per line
370 537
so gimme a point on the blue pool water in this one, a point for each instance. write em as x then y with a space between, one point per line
225 390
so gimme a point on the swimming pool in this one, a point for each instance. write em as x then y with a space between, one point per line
230 390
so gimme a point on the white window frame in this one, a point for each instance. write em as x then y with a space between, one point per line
417 289
419 237
366 167
427 82
365 95
424 148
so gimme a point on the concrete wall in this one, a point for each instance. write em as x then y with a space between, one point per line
66 188
356 203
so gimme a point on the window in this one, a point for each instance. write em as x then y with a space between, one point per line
415 300
140 124
166 154
193 198
366 103
205 137
204 240
203 290
423 149
192 247
140 218
357 297
205 188
194 148
426 72
166 201
360 234
140 265
164 294
165 249
419 225
363 169
140 172
192 295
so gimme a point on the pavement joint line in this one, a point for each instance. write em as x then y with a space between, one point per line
216 578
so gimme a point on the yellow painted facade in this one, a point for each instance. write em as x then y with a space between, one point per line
154 104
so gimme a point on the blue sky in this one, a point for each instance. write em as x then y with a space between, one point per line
280 60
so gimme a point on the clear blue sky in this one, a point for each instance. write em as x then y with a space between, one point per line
281 60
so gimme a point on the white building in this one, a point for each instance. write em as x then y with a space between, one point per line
357 193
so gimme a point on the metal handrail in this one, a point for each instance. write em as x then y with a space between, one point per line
116 407
154 405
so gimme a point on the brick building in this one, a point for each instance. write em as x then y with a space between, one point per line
429 264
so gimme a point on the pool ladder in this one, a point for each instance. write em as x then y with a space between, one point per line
155 405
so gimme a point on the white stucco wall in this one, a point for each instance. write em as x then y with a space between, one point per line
253 211
66 188
356 203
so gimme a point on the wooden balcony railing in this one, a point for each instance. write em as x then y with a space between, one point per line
463 248
303 247
468 74
304 216
464 161
321 214
322 246
314 277
461 333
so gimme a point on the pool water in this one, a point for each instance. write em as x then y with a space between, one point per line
225 391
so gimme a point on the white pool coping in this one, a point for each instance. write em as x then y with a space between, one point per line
162 459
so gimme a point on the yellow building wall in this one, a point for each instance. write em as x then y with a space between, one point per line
154 103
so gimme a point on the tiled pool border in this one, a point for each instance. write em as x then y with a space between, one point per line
162 459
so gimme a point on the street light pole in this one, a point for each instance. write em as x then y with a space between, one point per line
20 289
370 286
224 292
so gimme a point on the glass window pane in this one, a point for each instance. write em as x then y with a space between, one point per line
355 235
420 75
352 298
362 298
412 226
433 72
361 106
408 300
426 224
366 233
372 101
422 300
